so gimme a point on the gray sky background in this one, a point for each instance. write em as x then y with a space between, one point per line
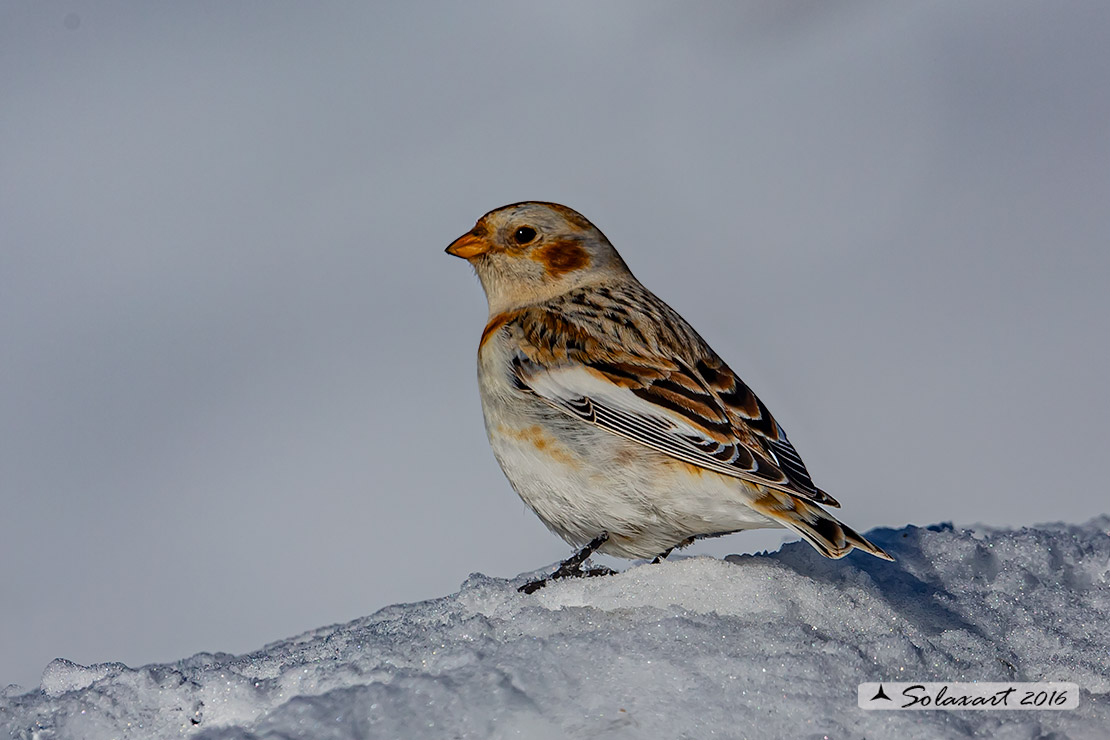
237 392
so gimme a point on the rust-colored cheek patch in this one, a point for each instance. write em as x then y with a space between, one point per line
561 257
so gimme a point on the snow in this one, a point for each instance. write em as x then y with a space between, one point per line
769 645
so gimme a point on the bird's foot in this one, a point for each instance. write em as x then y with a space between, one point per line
533 586
572 567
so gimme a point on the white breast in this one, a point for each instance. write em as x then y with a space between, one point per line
582 481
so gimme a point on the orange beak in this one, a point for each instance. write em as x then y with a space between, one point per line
468 246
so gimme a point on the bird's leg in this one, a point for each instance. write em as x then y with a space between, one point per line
572 566
663 555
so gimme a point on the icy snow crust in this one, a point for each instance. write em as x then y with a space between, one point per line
760 646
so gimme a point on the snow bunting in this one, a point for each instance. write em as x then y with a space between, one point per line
612 418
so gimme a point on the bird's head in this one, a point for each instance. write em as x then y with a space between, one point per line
527 253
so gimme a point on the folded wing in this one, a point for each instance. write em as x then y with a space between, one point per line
695 411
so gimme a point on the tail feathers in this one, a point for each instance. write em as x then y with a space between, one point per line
828 535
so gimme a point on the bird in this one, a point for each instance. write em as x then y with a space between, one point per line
611 417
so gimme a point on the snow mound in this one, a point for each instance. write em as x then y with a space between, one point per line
769 645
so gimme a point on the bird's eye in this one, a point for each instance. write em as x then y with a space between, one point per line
524 234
